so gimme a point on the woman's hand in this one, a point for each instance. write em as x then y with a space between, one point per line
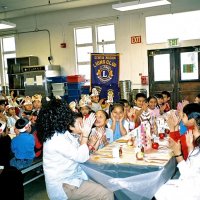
87 125
189 140
93 139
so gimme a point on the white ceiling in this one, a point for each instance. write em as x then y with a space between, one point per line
18 8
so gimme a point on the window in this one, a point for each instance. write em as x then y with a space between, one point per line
90 39
8 51
163 27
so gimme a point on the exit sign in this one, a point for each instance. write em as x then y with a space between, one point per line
136 39
173 42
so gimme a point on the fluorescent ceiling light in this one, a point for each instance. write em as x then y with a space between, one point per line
134 5
6 24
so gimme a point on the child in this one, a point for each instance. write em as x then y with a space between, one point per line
2 110
173 123
187 186
166 98
84 106
117 123
197 99
38 145
129 113
96 104
141 109
11 118
27 107
22 145
104 134
36 100
160 100
152 109
5 144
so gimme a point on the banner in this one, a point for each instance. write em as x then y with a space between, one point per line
105 73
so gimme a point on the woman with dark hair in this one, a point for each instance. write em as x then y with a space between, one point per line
187 186
65 137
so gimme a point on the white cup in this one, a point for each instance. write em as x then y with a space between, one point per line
115 152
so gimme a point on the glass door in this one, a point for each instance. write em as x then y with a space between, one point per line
176 71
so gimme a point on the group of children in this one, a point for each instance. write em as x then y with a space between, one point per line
18 128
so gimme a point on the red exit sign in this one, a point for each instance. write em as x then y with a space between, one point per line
136 39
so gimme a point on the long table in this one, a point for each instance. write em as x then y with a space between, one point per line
128 177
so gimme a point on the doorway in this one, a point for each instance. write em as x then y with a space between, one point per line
175 70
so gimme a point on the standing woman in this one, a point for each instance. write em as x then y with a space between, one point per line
187 186
65 138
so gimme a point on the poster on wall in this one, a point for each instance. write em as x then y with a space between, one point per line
105 74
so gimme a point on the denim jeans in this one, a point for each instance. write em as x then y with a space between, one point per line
20 163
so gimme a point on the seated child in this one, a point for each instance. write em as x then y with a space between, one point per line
11 118
128 113
141 109
22 145
197 99
166 99
96 104
152 109
84 106
37 104
5 145
104 135
38 144
117 123
27 107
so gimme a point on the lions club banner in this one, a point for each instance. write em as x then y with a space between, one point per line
105 73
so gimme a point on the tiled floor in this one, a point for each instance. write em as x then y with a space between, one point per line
36 190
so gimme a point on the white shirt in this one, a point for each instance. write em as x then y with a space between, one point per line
61 157
187 186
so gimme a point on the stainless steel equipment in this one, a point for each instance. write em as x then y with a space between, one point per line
35 78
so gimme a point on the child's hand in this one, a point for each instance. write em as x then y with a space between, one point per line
101 101
173 121
112 117
175 146
130 114
100 132
93 139
121 118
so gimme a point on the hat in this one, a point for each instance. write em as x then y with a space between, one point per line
22 124
94 92
2 126
37 97
27 101
85 101
72 106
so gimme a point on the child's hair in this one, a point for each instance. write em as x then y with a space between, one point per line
105 113
138 95
192 111
123 101
158 96
115 105
166 93
55 116
198 96
151 97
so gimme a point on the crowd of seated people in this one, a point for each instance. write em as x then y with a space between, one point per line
33 126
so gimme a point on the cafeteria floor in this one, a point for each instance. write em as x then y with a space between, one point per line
36 190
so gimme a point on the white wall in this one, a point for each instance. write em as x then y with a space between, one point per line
133 57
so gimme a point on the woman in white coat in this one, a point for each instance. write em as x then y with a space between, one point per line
187 186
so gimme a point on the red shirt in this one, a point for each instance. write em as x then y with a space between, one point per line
177 136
